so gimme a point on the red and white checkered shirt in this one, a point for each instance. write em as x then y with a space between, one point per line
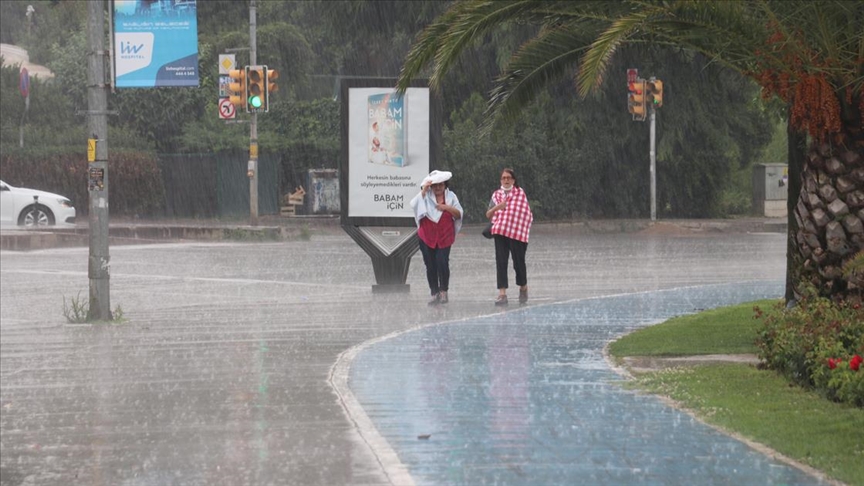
514 221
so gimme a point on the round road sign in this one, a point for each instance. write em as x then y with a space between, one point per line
226 109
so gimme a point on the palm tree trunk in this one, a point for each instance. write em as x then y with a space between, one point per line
796 143
829 213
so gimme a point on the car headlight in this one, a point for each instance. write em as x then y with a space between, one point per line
65 203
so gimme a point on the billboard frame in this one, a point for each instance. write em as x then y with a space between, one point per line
389 241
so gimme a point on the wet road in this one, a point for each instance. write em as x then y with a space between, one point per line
222 373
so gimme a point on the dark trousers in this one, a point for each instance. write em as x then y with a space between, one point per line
437 262
504 248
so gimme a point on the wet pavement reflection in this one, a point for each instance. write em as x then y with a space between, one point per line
525 398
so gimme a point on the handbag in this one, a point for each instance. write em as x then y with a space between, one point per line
487 231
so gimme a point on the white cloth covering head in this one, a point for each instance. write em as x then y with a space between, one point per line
437 177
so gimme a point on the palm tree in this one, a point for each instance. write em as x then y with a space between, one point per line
808 53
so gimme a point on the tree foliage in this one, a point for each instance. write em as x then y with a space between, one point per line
576 157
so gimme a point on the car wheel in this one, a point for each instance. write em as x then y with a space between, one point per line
36 216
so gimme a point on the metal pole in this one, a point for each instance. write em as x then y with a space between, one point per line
253 126
111 58
97 123
653 164
23 119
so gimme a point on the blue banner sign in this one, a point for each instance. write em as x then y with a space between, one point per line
155 43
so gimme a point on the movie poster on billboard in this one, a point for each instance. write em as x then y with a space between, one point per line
388 150
155 43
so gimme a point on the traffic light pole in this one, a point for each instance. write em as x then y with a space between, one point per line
639 93
252 168
98 269
653 155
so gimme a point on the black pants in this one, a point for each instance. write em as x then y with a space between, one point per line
437 262
504 248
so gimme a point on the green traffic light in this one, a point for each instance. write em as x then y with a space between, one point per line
255 101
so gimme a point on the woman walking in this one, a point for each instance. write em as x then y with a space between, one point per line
439 218
511 223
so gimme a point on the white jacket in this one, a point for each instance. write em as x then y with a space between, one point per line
424 207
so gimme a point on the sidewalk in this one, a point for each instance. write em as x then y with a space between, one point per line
525 397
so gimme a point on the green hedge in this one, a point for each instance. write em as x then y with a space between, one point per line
135 181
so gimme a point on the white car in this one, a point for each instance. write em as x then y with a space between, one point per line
31 208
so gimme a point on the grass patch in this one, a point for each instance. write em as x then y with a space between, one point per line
78 310
730 330
761 406
304 234
757 404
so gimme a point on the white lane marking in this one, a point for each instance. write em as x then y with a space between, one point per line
192 279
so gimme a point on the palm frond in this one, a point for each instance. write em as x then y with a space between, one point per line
749 36
424 49
474 20
467 22
540 62
596 59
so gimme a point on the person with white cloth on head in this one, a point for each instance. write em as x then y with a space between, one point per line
439 218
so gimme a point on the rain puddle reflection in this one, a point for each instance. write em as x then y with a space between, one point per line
525 397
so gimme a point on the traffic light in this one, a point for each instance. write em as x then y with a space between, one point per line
271 75
636 99
655 92
237 87
256 89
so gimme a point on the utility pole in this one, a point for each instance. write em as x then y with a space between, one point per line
98 268
252 168
653 155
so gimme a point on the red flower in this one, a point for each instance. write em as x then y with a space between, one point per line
855 362
832 363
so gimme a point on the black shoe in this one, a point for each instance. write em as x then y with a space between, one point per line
442 298
436 299
501 301
523 296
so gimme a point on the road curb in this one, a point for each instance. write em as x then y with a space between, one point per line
301 229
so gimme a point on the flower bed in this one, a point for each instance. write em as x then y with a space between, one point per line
818 344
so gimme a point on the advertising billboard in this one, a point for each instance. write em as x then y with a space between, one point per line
388 150
155 43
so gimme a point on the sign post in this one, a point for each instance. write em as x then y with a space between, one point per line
24 89
227 110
